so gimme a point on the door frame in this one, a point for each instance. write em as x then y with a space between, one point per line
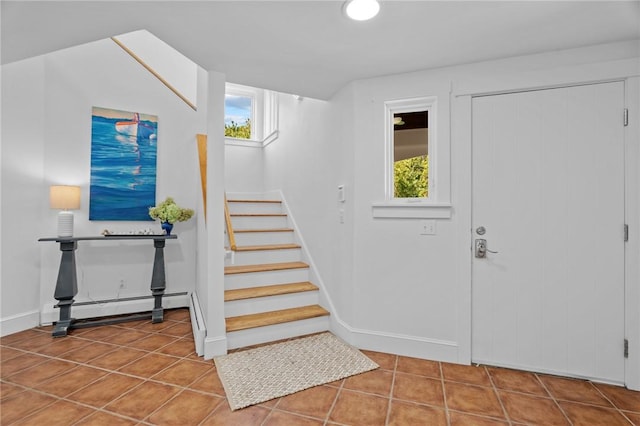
462 175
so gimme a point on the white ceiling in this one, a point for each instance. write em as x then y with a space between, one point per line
308 47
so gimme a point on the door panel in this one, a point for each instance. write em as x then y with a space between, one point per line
548 186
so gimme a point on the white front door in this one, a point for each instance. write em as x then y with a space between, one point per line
548 189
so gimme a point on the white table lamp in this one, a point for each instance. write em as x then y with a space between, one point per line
65 198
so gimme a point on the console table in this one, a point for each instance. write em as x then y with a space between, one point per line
67 283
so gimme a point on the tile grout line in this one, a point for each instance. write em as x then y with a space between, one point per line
444 395
108 372
495 391
161 406
39 409
335 400
66 399
150 379
393 383
42 358
99 410
618 409
75 365
271 410
86 364
553 397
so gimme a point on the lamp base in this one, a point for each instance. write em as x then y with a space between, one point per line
65 224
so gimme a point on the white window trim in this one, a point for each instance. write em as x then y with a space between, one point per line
414 208
264 116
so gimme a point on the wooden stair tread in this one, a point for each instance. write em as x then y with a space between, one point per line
257 215
255 201
268 290
263 230
240 269
268 247
244 322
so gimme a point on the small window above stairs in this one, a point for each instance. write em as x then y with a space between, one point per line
268 295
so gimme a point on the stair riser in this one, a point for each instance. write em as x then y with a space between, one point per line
264 256
262 238
242 338
256 279
272 195
258 222
255 208
271 303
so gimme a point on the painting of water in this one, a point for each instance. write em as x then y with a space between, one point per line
123 165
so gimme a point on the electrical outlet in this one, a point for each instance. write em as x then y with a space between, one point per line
427 227
121 282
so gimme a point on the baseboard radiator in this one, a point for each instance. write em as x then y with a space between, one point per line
197 323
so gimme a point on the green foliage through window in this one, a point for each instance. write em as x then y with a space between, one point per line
240 131
411 177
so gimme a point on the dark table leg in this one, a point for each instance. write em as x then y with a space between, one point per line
66 287
158 282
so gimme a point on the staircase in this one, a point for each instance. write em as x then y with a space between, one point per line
268 295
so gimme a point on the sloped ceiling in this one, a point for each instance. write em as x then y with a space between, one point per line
308 47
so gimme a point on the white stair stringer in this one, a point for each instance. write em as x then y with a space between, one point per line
336 324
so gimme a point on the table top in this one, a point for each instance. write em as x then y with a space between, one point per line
111 237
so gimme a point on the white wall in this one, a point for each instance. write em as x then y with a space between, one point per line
50 98
417 287
243 168
307 162
23 201
393 289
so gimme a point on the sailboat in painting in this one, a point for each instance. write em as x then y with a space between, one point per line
135 128
123 164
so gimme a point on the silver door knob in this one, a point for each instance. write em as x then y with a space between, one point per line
481 248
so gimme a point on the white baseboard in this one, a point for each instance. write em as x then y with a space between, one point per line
398 344
215 346
51 314
19 322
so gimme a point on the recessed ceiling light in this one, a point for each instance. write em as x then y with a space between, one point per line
361 10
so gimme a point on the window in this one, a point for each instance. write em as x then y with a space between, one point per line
250 115
410 139
238 116
411 160
411 154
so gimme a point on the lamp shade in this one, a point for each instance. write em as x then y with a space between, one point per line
64 197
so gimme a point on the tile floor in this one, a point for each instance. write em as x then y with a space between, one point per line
140 373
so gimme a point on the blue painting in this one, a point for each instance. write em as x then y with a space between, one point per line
123 165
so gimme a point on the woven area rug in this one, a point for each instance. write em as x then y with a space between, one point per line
257 375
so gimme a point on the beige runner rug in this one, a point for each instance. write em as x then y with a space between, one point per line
257 375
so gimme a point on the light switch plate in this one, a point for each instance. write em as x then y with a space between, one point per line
427 227
341 194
